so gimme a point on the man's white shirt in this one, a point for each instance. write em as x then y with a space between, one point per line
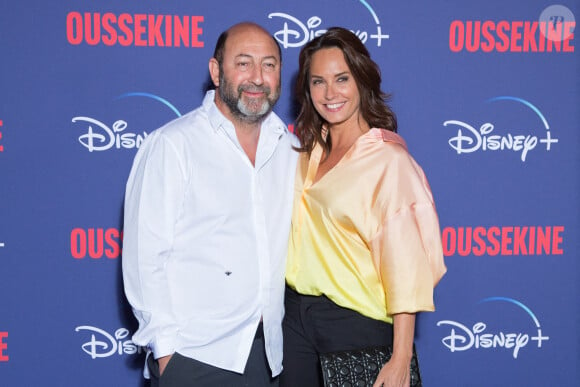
205 238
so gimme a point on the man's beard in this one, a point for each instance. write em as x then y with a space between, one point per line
253 110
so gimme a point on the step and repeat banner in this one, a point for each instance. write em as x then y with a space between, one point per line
487 96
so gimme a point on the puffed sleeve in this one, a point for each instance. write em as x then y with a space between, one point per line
407 249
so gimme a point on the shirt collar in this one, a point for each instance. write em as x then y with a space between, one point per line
215 117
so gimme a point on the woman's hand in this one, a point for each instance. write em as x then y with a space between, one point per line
395 373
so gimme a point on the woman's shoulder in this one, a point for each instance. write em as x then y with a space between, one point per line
392 137
387 141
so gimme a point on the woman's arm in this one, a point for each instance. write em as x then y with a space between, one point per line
396 372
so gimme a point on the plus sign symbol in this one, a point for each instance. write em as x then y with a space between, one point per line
379 36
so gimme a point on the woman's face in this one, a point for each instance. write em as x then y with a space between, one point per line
333 88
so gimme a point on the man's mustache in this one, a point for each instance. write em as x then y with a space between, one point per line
254 89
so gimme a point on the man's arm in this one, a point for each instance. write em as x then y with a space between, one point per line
153 197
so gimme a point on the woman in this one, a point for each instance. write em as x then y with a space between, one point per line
365 248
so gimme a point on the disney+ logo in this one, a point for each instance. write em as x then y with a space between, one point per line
103 344
462 337
100 137
296 33
469 139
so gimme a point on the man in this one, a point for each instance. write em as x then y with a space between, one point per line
207 215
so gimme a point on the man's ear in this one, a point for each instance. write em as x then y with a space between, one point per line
214 71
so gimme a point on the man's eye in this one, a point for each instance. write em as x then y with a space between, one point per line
269 67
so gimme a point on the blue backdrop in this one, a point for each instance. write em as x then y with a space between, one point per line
487 97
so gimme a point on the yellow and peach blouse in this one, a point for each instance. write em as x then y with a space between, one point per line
366 234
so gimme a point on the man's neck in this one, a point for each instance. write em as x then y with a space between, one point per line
248 133
248 137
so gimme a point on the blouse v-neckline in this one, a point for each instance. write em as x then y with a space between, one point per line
316 156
